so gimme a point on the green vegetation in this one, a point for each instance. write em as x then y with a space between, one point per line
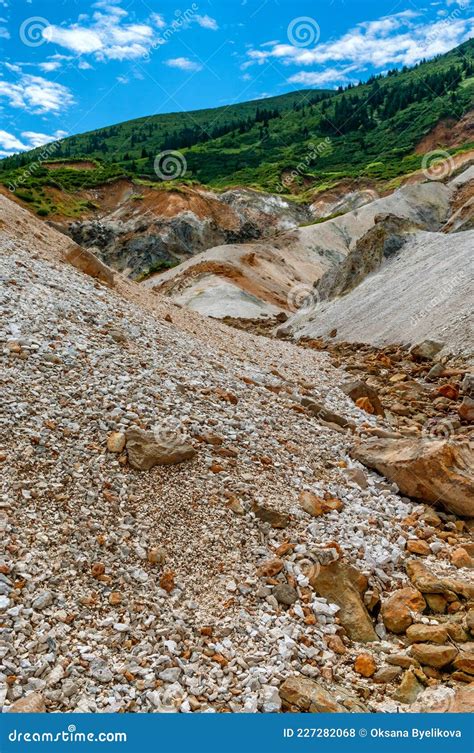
318 137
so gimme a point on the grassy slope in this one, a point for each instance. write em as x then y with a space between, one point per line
257 155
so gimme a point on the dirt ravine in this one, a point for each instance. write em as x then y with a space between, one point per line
227 582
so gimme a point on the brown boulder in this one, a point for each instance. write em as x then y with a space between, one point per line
270 568
416 546
397 609
29 704
436 471
314 505
427 583
145 449
84 260
358 389
460 558
432 655
307 695
427 633
340 583
465 662
466 409
426 350
410 687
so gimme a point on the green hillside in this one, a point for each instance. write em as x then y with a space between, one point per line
317 136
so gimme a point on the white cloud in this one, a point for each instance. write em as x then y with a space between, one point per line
106 36
10 144
4 33
325 76
400 39
50 65
38 139
36 94
158 20
207 22
77 39
13 67
183 64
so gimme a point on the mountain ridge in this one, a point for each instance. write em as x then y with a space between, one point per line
318 136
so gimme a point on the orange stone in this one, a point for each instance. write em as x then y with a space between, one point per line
448 390
418 547
167 582
398 607
365 665
97 569
460 558
335 644
364 404
270 568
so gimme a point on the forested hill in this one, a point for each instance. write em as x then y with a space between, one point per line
370 129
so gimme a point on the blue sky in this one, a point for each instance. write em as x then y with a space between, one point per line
69 66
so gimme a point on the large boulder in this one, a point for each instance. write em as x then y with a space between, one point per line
304 694
146 449
432 655
428 583
436 471
29 704
426 350
399 608
86 261
340 584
